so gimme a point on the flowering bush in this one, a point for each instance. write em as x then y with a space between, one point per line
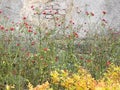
82 80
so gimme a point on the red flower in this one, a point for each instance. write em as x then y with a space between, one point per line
75 34
67 27
12 29
104 12
26 24
56 12
44 13
17 44
81 58
35 33
45 49
50 11
87 13
57 19
108 63
32 6
0 11
71 21
88 61
33 43
92 14
13 22
58 24
6 30
29 27
29 30
2 27
104 20
24 18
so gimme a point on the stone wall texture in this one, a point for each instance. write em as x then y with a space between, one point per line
68 10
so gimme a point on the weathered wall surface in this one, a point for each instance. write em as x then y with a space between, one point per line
11 8
113 10
74 10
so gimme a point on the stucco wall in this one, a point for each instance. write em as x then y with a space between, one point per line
74 10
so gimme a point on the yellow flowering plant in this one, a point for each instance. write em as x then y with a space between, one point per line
82 80
44 86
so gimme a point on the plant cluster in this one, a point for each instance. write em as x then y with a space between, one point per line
28 53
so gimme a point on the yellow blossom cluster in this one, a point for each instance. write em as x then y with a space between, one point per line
82 80
111 79
44 86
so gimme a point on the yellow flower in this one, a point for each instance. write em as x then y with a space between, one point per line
42 87
64 73
68 82
76 77
9 87
100 88
55 76
30 86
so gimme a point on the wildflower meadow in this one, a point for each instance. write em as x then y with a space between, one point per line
36 59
